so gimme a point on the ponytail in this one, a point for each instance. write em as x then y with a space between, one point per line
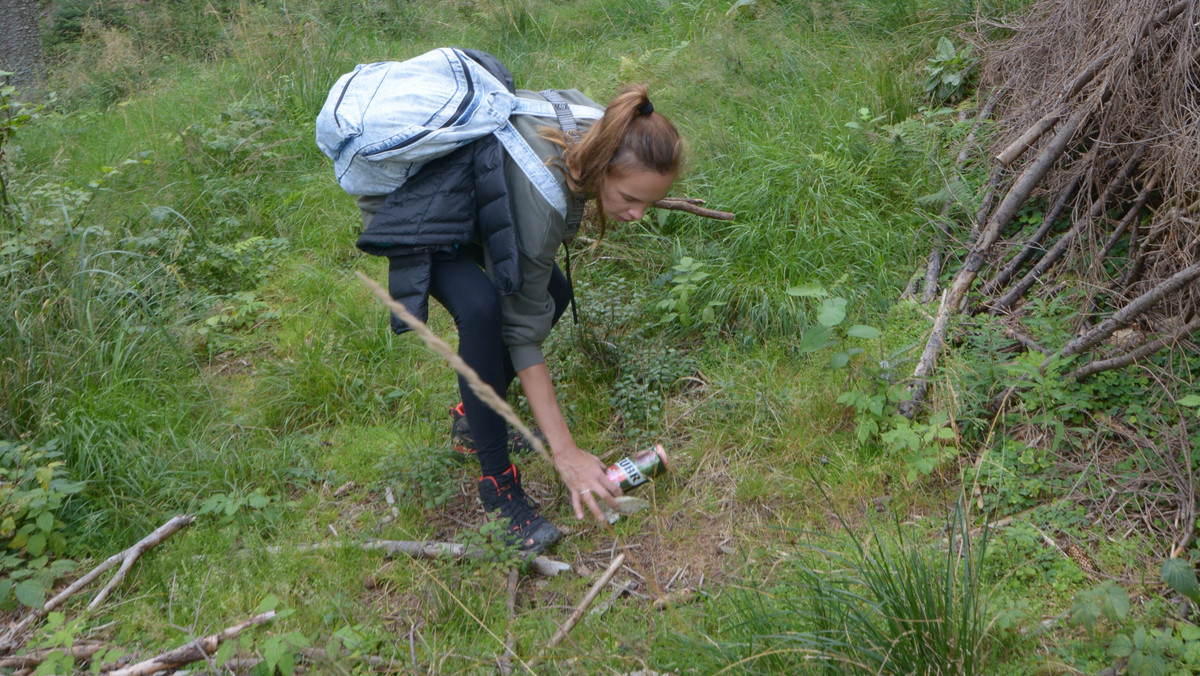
630 136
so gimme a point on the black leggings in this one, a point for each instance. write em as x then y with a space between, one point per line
459 284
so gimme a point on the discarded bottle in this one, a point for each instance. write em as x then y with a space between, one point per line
633 472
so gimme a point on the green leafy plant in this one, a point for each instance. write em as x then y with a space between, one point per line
878 419
687 280
829 330
1156 652
1107 599
245 511
647 374
34 490
57 636
426 475
495 552
238 314
950 74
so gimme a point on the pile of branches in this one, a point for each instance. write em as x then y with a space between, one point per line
1096 111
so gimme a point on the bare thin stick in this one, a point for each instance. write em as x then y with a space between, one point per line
587 601
128 556
480 388
1092 368
80 651
692 206
1126 314
1188 491
191 652
510 642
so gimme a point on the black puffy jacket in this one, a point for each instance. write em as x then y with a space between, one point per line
450 202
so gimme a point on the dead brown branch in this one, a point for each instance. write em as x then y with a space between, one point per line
126 558
692 206
587 600
195 651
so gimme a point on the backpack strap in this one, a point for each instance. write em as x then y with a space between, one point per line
562 110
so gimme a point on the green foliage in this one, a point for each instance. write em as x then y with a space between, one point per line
1158 652
688 280
1107 599
950 74
34 491
244 512
829 330
425 475
890 607
57 635
646 375
239 313
878 420
496 551
1181 576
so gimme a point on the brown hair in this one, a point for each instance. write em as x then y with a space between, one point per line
630 136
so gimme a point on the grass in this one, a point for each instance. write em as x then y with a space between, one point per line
163 182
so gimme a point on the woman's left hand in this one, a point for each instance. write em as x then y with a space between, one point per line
585 477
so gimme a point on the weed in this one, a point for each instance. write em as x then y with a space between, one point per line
950 74
889 607
425 475
34 490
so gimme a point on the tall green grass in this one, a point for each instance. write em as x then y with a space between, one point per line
882 605
175 170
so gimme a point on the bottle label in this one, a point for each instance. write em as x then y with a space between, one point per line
632 473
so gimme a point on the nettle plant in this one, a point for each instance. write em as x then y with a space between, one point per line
829 331
687 279
877 405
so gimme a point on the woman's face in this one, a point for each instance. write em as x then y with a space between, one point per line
626 194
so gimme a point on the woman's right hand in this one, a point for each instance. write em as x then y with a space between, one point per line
586 478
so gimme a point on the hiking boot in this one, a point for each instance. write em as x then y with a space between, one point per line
503 498
463 444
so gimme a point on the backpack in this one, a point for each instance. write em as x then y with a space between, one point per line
382 121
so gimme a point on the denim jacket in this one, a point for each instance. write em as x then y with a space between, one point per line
383 121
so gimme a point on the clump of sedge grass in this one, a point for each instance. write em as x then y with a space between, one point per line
882 607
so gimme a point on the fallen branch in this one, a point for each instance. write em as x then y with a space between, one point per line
1034 243
1126 314
126 558
587 601
80 651
1060 247
692 206
195 651
510 642
1092 368
442 550
1187 500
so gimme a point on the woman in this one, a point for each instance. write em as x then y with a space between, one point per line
626 160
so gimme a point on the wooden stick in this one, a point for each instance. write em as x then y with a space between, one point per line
587 601
128 557
1056 252
542 565
1092 368
1034 243
510 642
191 652
1031 135
692 206
1188 502
1126 314
79 651
480 388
